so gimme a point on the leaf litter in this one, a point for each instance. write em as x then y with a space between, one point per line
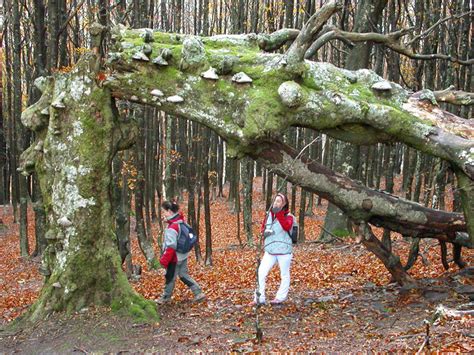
340 300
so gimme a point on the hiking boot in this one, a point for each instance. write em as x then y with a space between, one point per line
276 301
199 297
254 303
163 300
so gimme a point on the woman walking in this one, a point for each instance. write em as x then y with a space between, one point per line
176 263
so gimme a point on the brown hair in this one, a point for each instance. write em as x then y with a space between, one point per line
170 206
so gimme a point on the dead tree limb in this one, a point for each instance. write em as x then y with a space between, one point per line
310 31
444 254
390 40
414 252
391 261
454 97
277 39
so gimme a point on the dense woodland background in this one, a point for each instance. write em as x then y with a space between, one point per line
172 156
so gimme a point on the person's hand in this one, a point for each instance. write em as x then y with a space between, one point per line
161 271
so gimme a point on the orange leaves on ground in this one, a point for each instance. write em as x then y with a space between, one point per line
335 271
20 281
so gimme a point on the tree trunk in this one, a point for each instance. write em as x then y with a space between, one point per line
207 208
170 164
247 182
302 236
269 197
336 222
196 174
53 27
81 262
145 240
40 220
121 206
21 134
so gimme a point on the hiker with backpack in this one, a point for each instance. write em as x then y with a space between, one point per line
276 230
177 242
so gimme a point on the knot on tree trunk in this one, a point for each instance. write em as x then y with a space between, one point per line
193 54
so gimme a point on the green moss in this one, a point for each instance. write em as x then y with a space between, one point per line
167 38
117 305
162 41
96 123
253 71
136 311
137 307
226 86
342 233
154 264
167 79
266 109
230 46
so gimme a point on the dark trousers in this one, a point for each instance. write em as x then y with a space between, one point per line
179 269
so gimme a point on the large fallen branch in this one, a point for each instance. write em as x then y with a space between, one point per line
360 203
250 99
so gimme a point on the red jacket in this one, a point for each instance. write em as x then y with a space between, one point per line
169 255
286 221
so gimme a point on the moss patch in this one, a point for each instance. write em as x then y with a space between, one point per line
140 309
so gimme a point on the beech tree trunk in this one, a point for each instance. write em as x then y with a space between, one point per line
78 133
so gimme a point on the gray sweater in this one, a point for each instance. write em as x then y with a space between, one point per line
279 242
170 239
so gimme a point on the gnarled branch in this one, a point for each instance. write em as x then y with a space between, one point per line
390 40
454 97
310 31
277 39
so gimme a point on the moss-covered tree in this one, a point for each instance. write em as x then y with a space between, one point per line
78 133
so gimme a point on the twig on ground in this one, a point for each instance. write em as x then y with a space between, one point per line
79 349
426 342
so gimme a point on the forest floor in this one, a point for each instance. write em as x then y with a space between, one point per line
340 301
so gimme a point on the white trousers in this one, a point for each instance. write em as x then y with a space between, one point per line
268 260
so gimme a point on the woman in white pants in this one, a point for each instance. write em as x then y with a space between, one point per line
278 248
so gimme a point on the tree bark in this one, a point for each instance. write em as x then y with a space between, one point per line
20 131
391 261
207 207
145 240
121 206
81 263
247 182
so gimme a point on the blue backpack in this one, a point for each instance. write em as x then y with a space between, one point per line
293 232
186 238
